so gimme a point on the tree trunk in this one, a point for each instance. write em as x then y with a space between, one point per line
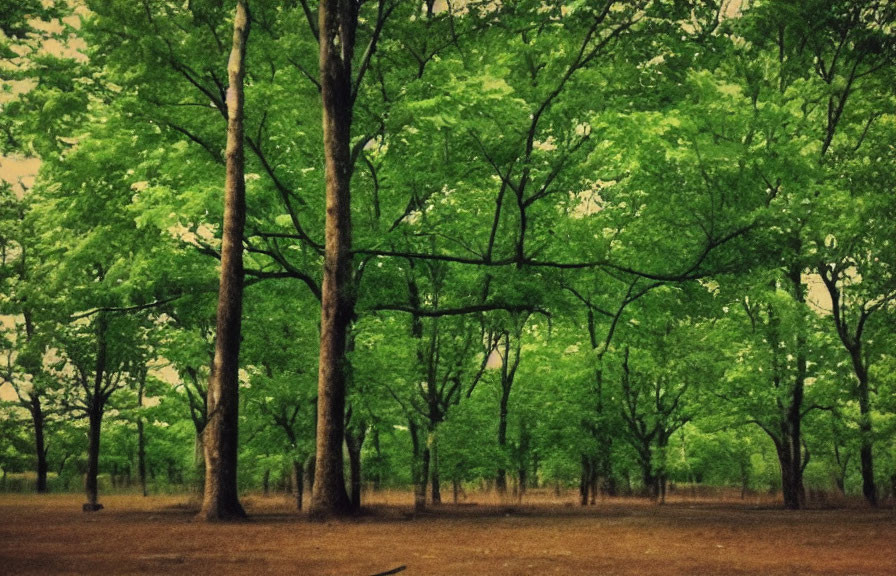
420 497
419 467
141 438
852 341
141 456
795 410
310 463
586 480
501 476
37 418
199 462
791 483
866 455
434 469
220 499
95 406
378 477
660 459
338 21
266 482
354 441
865 450
299 473
523 462
91 486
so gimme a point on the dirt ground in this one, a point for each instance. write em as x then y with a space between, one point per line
158 535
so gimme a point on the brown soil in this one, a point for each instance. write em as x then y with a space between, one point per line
159 535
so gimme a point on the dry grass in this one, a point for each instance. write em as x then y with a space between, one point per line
158 535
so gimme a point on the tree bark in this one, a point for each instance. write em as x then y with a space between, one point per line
220 498
338 22
523 462
852 341
586 480
141 438
795 410
354 441
378 477
420 500
37 418
501 475
419 466
141 456
506 383
789 483
91 484
95 406
435 481
299 473
310 463
866 454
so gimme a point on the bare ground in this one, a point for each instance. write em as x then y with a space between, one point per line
158 535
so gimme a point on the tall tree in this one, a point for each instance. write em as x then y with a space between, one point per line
220 498
21 344
338 26
337 30
839 55
856 268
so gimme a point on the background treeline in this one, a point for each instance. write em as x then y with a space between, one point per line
612 245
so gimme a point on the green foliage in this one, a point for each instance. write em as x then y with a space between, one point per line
637 200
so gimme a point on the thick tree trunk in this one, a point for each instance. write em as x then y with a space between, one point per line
791 475
220 498
37 418
338 21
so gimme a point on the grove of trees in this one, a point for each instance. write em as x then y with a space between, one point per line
616 245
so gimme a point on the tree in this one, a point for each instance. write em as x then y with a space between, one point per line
826 83
279 354
856 269
220 496
338 26
337 33
23 348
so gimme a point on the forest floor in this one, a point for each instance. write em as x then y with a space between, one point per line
159 535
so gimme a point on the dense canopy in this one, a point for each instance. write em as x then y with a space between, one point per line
611 245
